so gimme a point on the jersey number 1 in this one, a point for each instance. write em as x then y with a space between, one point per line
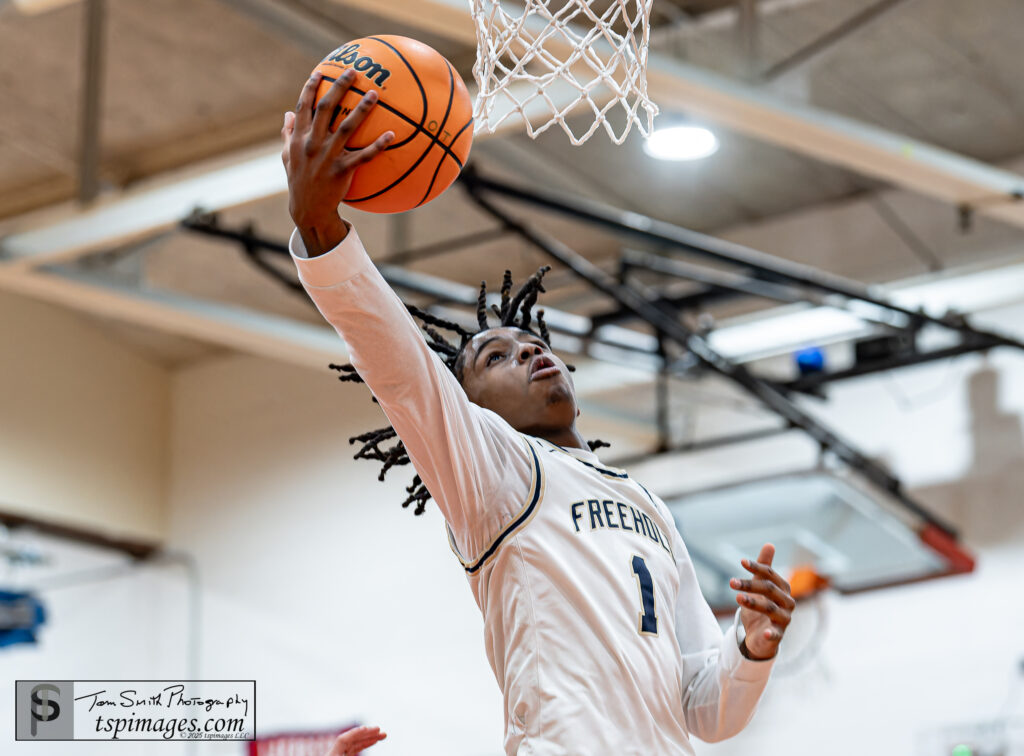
648 618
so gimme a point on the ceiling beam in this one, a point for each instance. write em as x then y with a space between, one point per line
106 539
450 20
822 45
144 212
314 35
243 330
91 106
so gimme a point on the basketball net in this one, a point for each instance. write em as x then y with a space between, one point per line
536 64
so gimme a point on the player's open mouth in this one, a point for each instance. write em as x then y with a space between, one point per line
543 367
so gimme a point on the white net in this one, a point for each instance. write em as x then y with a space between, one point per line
542 60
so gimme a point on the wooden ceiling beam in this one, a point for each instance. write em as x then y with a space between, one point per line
236 328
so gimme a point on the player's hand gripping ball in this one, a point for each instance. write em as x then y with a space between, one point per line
422 100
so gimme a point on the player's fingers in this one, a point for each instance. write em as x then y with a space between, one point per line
366 742
356 117
764 570
767 588
364 738
286 136
772 635
764 606
304 108
352 741
327 106
361 732
352 159
767 554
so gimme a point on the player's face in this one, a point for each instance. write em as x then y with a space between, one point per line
513 373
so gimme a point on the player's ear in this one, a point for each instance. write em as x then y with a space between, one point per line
578 412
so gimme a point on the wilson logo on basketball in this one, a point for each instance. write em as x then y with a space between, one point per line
349 56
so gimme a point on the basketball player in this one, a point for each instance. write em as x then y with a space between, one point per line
595 626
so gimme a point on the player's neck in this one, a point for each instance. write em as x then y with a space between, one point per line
566 437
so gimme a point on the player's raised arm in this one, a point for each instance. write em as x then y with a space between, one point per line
472 462
722 679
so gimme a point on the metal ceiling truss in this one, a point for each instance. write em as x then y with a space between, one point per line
818 47
91 106
758 275
440 291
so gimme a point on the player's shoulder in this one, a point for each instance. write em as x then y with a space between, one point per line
498 425
581 461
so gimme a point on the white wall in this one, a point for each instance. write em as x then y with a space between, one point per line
83 423
84 429
132 626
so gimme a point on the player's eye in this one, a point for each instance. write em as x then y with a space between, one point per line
492 355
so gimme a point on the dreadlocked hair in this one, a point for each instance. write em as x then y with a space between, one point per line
514 310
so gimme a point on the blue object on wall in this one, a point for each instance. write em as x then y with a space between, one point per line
21 614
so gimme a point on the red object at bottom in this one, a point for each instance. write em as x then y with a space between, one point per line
296 743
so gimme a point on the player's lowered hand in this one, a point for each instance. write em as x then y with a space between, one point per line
767 605
319 167
355 740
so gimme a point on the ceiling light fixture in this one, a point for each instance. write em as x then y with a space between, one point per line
35 7
681 143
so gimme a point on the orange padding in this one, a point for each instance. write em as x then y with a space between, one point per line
959 560
805 581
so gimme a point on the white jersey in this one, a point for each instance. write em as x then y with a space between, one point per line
582 578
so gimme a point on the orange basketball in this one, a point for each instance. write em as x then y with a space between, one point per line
422 100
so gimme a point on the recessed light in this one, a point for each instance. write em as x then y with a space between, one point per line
681 143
